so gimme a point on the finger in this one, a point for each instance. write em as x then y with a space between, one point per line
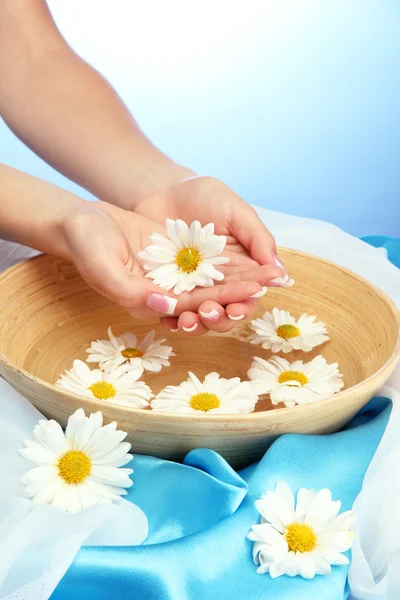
222 294
170 323
190 323
251 232
241 310
262 274
215 317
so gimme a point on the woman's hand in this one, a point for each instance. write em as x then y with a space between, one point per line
250 246
104 241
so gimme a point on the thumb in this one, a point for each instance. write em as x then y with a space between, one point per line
251 232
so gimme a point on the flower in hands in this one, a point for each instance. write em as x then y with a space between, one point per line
115 387
295 383
148 355
214 395
305 539
187 259
279 331
79 468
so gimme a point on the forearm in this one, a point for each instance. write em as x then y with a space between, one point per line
33 212
70 115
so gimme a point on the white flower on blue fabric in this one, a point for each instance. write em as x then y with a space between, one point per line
303 538
279 331
80 468
187 259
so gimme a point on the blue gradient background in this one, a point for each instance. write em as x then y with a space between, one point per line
294 104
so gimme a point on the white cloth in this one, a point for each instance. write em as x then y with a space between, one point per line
38 543
375 569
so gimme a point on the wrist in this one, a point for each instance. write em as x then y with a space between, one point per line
64 222
146 180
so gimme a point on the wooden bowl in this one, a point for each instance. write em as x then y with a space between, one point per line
49 315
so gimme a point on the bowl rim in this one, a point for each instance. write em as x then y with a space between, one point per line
213 417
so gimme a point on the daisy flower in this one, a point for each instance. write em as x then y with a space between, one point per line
305 539
187 259
295 383
214 395
79 468
116 386
280 332
148 355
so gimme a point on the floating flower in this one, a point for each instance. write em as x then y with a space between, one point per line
214 395
116 386
147 355
305 539
280 332
79 468
187 259
295 383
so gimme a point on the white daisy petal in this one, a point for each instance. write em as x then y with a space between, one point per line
305 565
87 471
47 492
38 453
304 499
286 541
39 474
112 476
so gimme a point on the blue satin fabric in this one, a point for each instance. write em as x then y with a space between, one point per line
201 511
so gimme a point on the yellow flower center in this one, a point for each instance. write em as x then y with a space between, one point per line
188 259
288 331
102 390
293 376
300 537
74 466
132 353
204 401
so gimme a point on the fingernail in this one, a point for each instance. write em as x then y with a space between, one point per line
213 315
283 281
262 292
278 262
232 318
190 329
280 280
174 330
162 304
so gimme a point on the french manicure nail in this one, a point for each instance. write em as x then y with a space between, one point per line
284 282
174 330
232 318
213 315
262 292
190 329
162 304
278 262
280 280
